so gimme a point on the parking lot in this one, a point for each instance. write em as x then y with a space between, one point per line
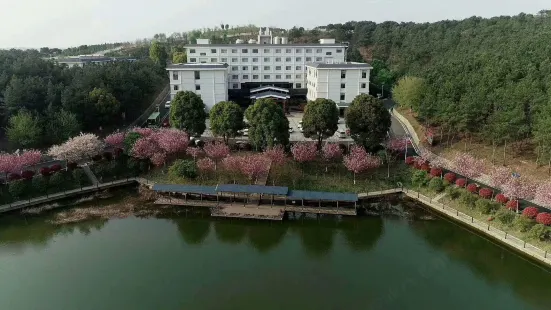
295 120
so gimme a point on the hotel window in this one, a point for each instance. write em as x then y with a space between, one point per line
244 59
328 53
255 59
298 50
235 86
245 76
298 68
174 76
343 74
224 60
234 51
342 96
288 77
343 86
255 50
175 87
266 67
298 76
308 50
244 51
318 58
255 76
192 51
278 59
203 60
197 75
214 60
234 60
288 68
298 85
339 50
197 87
363 85
278 67
255 68
193 60
267 50
266 59
267 77
278 51
288 59
224 51
235 77
234 68
278 76
203 54
318 50
213 50
288 51
364 74
308 58
244 68
298 59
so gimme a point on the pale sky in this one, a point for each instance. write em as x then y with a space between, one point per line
64 23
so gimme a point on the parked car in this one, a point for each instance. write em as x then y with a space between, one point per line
167 104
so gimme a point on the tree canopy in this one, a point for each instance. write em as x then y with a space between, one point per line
368 120
320 121
187 112
158 53
24 130
409 92
226 119
179 57
268 124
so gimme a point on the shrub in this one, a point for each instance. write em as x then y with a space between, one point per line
461 182
40 184
99 169
472 188
183 168
425 167
107 155
485 206
410 160
467 199
45 171
419 178
55 168
56 180
436 184
539 232
512 205
453 192
79 176
485 193
13 177
17 188
96 157
505 216
449 177
435 172
27 174
72 166
501 198
523 224
530 212
544 218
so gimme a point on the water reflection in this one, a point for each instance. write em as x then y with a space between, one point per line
193 231
232 232
266 236
316 236
362 234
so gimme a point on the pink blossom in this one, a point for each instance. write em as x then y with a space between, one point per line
205 164
304 151
543 194
144 132
158 159
216 151
233 163
331 151
171 141
14 163
115 139
276 154
255 166
194 152
499 176
397 145
468 166
519 188
148 148
359 160
77 148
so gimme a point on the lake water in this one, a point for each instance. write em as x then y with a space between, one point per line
189 261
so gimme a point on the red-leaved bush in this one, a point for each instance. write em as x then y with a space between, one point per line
472 188
410 160
27 174
501 198
461 182
425 167
45 171
435 172
55 168
485 193
450 177
530 212
13 177
512 205
544 218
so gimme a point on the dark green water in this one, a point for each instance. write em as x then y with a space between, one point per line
197 263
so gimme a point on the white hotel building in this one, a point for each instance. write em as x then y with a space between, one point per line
266 67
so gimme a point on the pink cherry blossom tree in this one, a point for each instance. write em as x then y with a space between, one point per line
216 151
304 152
359 160
255 166
77 148
499 176
16 162
519 188
115 139
171 141
205 164
233 164
194 152
468 166
330 152
144 132
276 155
543 194
148 148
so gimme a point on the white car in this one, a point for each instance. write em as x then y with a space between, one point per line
167 104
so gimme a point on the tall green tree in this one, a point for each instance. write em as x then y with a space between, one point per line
368 120
409 92
188 112
106 105
158 53
268 124
226 119
61 125
24 130
320 121
179 57
542 133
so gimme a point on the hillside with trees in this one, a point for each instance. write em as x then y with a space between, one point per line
60 102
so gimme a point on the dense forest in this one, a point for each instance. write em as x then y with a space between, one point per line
43 103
